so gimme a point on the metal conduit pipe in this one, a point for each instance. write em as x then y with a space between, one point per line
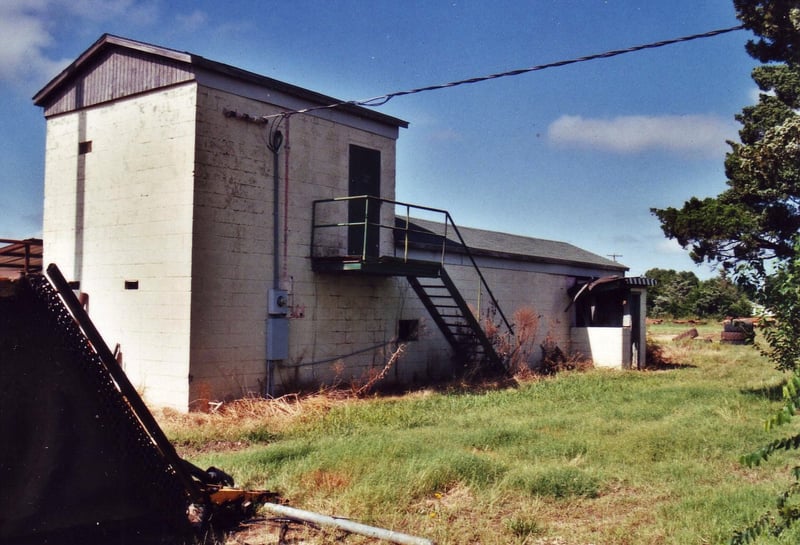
274 144
346 525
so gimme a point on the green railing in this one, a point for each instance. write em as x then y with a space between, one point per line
360 219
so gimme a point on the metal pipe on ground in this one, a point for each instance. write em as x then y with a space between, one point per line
346 525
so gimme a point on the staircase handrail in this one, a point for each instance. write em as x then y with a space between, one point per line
480 274
408 207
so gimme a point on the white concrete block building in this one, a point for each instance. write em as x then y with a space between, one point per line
215 243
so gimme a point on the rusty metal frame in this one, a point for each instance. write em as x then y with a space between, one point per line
20 250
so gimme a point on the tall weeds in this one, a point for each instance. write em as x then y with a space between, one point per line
514 349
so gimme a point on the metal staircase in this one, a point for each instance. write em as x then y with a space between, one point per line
455 320
332 223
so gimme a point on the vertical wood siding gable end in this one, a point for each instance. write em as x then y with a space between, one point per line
115 75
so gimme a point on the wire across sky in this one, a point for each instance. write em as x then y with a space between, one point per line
383 99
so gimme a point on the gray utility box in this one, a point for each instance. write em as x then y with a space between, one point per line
277 338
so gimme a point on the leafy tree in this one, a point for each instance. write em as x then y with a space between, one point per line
755 220
782 297
752 227
719 297
673 293
776 23
681 294
787 511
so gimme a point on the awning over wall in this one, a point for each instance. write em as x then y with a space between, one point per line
607 283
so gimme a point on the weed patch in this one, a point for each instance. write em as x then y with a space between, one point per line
523 528
556 482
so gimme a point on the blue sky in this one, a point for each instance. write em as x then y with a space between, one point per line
579 153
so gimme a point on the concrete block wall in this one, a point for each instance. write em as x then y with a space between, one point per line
542 293
347 332
60 232
123 212
346 323
232 249
430 357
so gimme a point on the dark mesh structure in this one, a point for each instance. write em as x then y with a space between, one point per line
76 463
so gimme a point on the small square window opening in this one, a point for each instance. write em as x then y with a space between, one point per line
408 330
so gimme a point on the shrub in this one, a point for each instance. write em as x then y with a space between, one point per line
523 528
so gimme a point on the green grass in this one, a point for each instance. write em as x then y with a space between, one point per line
605 457
671 327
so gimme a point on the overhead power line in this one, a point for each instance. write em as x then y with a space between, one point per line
383 99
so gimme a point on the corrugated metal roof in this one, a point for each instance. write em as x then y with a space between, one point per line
507 246
640 281
608 283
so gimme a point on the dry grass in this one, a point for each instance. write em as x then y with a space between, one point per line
244 422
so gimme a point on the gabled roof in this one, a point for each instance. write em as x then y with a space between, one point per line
178 66
427 234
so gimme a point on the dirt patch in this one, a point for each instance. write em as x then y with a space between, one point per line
274 530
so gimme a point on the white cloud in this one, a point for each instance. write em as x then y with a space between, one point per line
23 40
684 134
193 21
27 33
134 11
670 246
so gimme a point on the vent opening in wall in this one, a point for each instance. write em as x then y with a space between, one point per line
408 330
84 147
131 284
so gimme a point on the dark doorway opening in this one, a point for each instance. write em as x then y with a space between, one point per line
365 179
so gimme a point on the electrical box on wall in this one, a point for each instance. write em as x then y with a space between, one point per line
277 338
278 302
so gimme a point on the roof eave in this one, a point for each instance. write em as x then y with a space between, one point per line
300 92
109 40
104 41
521 257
